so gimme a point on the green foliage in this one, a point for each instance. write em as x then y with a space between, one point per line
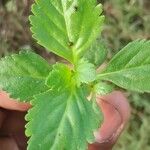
75 26
85 72
62 121
130 68
103 88
23 75
61 116
97 53
59 77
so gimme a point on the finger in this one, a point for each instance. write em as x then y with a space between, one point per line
8 144
116 112
119 101
8 103
120 112
13 126
112 120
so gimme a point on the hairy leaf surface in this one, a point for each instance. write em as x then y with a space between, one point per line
130 68
61 120
60 77
23 75
103 88
85 72
97 53
64 27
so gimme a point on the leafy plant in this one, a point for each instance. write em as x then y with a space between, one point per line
62 118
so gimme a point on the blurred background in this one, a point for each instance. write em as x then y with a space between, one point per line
126 20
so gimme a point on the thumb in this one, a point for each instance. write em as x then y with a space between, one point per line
116 111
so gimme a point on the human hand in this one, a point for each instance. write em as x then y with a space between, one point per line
116 112
114 106
12 123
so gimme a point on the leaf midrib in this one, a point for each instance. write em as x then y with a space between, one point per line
72 49
61 121
102 75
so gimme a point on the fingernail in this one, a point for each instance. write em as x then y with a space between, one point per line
113 137
99 138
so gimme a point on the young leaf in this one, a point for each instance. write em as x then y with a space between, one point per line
130 68
102 88
97 53
63 120
85 72
23 75
67 28
59 77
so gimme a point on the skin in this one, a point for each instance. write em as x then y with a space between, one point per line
114 106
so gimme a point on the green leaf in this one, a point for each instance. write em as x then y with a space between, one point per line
102 88
130 68
60 77
85 72
97 53
67 28
23 75
63 120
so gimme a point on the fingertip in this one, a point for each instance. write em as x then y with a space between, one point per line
7 103
119 101
21 106
116 111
